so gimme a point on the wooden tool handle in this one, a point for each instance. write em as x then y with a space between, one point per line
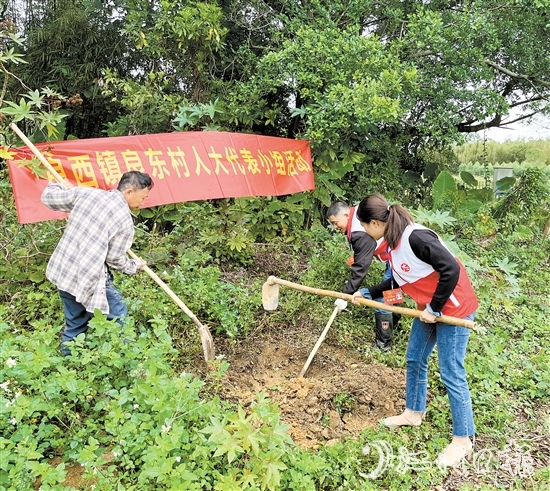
455 321
36 152
319 341
168 290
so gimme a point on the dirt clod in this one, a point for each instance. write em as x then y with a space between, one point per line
339 397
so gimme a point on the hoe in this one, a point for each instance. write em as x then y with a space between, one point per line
270 301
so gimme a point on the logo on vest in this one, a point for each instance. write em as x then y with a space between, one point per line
405 267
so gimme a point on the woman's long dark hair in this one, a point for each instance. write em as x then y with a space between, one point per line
396 218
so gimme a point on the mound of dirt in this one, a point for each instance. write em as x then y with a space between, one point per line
339 396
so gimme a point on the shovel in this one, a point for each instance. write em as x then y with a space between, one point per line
206 337
270 301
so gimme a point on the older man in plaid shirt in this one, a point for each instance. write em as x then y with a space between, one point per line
99 232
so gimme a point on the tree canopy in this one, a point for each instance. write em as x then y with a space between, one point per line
375 86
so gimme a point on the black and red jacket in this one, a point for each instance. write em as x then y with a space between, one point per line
364 247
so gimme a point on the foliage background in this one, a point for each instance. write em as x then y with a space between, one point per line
380 90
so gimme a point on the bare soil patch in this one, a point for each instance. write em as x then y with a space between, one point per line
339 396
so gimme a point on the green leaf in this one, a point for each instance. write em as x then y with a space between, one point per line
150 472
184 119
298 111
295 198
505 184
229 482
273 466
510 268
211 108
433 219
146 213
523 232
412 178
19 112
225 442
429 171
72 385
35 99
444 187
6 154
228 445
37 277
468 179
35 166
471 206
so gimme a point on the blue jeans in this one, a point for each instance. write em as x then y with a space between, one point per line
451 346
77 317
366 294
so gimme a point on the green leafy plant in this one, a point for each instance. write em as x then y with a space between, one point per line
433 219
343 402
527 202
39 110
254 443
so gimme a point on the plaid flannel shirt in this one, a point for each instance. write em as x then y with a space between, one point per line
99 231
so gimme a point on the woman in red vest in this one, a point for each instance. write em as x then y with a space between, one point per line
426 270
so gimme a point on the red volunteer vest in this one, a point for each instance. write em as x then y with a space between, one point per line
419 280
381 251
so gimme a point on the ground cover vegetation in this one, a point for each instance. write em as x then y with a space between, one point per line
136 409
382 92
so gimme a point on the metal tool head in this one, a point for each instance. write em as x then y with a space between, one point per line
207 343
270 295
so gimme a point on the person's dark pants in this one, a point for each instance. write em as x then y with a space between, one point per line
77 317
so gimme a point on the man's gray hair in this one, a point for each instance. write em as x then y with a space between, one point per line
337 208
135 180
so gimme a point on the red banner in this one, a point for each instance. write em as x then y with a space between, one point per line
185 166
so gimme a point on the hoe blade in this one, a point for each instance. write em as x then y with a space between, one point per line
270 295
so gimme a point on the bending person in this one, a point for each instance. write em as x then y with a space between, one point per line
99 232
432 276
363 247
